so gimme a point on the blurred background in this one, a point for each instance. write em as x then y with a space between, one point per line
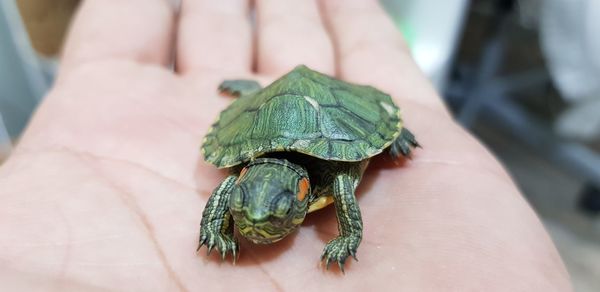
522 75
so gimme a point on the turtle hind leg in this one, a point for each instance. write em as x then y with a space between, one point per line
404 144
239 87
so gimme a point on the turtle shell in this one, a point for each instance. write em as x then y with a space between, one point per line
306 112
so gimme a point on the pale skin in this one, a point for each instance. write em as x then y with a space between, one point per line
106 187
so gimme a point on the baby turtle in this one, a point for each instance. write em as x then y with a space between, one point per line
294 147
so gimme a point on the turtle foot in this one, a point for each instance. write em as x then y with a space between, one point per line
338 249
404 144
223 243
239 87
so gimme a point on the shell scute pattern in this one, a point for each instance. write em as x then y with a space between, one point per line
307 112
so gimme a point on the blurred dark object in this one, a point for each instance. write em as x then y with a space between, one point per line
569 31
504 88
502 79
589 201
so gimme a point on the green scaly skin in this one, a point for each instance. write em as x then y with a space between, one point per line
264 203
216 227
350 225
265 183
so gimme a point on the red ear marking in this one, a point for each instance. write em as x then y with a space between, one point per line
242 173
303 187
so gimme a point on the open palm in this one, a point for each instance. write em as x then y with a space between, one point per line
107 186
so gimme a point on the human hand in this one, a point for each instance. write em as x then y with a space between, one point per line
106 188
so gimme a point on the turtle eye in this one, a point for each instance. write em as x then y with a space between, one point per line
284 205
237 198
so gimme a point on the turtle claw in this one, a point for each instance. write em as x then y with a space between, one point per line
221 242
223 255
339 249
201 243
327 263
341 265
353 254
235 254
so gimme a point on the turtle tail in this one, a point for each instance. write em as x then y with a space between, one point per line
404 144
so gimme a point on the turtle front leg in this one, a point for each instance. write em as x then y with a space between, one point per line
216 227
349 222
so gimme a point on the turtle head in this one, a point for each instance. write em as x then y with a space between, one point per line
270 199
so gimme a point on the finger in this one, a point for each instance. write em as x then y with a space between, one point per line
214 36
371 51
139 30
291 33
